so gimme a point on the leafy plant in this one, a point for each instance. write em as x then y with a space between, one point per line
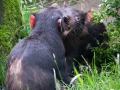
110 15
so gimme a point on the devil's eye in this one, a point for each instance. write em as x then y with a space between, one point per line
77 18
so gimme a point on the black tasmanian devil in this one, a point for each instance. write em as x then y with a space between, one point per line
82 34
31 62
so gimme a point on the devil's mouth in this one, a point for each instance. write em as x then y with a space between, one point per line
65 27
66 30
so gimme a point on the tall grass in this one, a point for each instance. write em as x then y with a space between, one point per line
105 80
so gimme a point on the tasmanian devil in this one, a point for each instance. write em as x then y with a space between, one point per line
82 34
31 62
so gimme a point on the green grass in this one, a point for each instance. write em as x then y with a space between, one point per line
2 73
105 80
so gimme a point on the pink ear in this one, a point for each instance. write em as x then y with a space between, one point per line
32 20
88 16
65 3
59 22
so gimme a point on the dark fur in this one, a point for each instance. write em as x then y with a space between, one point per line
30 63
81 35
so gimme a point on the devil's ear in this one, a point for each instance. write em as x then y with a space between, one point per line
32 19
59 22
88 16
65 4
